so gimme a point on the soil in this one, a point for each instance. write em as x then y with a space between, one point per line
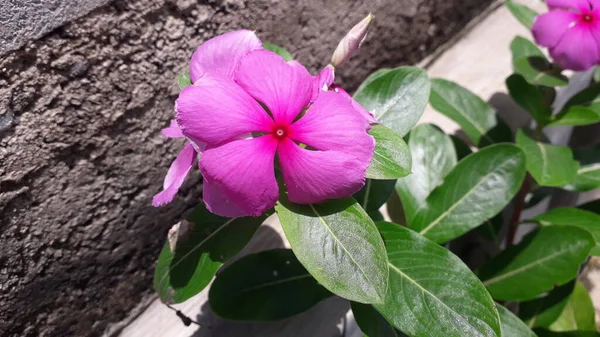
81 154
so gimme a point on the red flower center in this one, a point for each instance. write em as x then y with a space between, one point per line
280 131
588 18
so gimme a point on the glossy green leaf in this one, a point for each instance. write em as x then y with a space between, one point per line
200 252
578 115
547 257
476 118
588 175
397 97
375 194
279 51
588 97
578 314
512 326
432 292
267 286
477 189
543 161
521 47
569 216
338 243
529 98
391 158
184 80
524 14
371 323
538 70
545 310
433 157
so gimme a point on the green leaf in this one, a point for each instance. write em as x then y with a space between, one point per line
538 70
267 286
476 117
477 189
462 148
512 326
200 252
375 194
371 323
542 312
397 97
597 74
524 14
574 217
529 98
391 158
550 165
534 266
433 158
579 313
588 175
339 245
588 97
184 80
577 115
279 51
432 292
521 47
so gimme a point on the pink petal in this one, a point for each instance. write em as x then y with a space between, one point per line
578 5
244 171
217 203
173 131
364 112
323 81
222 54
332 123
315 176
175 176
216 110
285 89
550 28
577 50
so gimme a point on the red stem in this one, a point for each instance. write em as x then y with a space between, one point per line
517 210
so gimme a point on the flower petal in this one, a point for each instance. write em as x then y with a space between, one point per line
284 88
175 176
332 123
315 176
244 171
217 110
323 81
173 131
364 112
578 5
217 202
577 50
550 28
222 54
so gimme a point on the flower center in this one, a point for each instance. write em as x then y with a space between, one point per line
280 132
587 18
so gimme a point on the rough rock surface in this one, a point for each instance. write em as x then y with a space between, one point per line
80 149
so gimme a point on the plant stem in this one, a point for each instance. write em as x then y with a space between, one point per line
517 210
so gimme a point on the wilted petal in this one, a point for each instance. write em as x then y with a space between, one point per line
284 88
222 54
332 123
550 28
175 176
173 131
243 170
217 110
217 203
577 50
315 176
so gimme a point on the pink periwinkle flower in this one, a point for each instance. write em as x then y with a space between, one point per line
571 32
256 111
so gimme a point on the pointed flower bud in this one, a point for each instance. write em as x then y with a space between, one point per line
351 42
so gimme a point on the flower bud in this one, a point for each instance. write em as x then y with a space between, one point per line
351 42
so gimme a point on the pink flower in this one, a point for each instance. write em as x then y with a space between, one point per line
220 55
571 31
267 114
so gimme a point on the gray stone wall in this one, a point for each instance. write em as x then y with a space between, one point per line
80 149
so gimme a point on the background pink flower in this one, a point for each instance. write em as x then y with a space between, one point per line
571 32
